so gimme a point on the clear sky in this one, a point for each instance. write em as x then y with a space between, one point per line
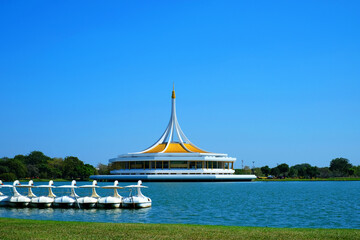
264 81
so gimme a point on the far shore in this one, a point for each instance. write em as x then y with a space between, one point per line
312 179
37 229
43 180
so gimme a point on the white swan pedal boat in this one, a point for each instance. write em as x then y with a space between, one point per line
4 199
44 201
111 201
18 200
67 201
136 199
89 201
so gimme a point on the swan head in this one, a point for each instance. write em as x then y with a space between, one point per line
16 182
31 183
139 182
1 183
73 183
116 182
94 183
51 182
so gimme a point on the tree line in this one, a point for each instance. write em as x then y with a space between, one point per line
339 167
38 165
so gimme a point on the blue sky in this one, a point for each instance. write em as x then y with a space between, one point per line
265 81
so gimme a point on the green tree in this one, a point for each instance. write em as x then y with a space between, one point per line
301 169
257 172
103 169
56 167
293 172
44 171
21 158
357 171
16 167
38 165
340 166
265 170
351 171
36 158
3 168
324 172
73 168
275 172
284 169
33 171
312 172
88 171
8 177
246 170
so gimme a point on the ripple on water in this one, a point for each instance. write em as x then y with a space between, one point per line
272 204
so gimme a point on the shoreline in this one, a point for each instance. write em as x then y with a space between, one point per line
13 228
257 179
314 179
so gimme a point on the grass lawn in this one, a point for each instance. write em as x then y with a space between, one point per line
34 229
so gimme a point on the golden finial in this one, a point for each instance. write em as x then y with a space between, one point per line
173 92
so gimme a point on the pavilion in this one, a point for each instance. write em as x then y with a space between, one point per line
173 158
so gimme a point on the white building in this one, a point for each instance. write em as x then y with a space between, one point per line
173 158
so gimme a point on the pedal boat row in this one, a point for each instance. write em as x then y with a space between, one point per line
135 200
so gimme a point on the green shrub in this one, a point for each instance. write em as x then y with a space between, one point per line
8 177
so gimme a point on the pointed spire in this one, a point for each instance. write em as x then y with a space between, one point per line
172 131
173 92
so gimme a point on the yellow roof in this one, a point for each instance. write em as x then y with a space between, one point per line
175 148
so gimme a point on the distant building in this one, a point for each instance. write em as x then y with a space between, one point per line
173 158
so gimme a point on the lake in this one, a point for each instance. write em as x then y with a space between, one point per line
329 204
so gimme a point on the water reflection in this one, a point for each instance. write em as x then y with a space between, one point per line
22 212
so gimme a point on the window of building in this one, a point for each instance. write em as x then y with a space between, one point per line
178 164
215 164
221 165
132 165
147 165
158 164
192 165
139 165
208 165
166 164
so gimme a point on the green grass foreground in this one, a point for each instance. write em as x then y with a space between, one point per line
35 229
